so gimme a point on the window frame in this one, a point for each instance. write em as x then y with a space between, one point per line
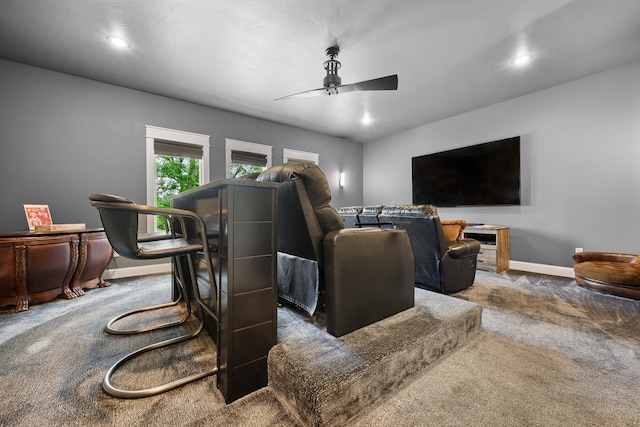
249 147
289 153
153 133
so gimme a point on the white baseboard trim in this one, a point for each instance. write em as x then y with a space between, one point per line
142 270
551 270
119 273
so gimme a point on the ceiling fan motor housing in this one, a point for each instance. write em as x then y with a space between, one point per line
332 80
331 83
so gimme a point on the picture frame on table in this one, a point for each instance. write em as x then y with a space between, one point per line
37 215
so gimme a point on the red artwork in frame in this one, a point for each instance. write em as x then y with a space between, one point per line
37 215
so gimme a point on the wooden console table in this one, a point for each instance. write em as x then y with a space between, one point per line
494 246
39 266
240 216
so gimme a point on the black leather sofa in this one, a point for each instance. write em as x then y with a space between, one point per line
442 264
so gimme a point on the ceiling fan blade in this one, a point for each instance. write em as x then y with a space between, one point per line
306 94
382 83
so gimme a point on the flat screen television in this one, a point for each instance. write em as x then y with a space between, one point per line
479 175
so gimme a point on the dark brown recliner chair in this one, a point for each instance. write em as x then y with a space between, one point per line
363 275
447 266
617 274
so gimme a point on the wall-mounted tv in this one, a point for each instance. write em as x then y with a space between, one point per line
479 175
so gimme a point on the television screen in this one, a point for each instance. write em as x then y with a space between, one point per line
480 175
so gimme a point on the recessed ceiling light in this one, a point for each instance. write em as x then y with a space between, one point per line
523 59
118 41
366 119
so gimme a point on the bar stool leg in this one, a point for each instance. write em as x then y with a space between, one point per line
111 390
107 384
182 294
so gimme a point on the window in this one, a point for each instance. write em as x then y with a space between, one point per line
246 157
176 162
289 155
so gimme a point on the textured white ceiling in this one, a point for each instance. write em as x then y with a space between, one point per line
451 56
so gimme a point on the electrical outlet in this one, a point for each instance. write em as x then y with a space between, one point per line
579 250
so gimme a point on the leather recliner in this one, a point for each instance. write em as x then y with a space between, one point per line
359 275
441 265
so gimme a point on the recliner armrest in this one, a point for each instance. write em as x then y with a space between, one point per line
463 248
369 275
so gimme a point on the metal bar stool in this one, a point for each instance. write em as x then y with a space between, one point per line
146 239
120 221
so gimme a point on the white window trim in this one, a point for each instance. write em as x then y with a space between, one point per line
288 153
249 147
155 132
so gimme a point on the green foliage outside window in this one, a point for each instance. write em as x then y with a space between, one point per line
174 175
237 169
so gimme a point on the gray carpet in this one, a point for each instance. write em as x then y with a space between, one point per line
550 353
331 381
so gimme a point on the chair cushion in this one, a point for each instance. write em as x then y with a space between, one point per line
621 273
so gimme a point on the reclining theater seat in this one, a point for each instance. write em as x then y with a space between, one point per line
364 275
441 265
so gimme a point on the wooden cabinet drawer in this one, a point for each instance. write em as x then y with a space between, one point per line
487 258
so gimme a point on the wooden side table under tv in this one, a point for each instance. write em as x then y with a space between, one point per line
39 266
494 246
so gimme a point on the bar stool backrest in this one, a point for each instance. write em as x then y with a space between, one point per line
120 221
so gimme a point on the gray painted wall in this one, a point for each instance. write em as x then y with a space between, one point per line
579 165
63 137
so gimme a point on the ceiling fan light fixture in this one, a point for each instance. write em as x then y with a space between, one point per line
118 41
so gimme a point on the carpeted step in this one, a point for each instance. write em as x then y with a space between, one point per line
329 381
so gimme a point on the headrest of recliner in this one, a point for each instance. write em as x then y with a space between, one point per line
411 210
372 210
314 180
349 210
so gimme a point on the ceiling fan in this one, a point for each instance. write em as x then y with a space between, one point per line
333 83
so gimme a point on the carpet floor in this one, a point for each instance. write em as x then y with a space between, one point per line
550 354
